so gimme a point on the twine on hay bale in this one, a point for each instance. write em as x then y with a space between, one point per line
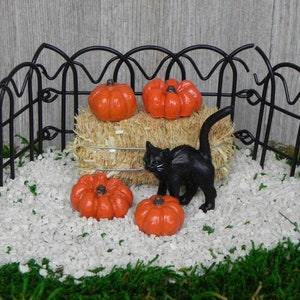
117 148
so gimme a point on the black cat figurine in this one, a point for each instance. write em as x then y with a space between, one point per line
185 165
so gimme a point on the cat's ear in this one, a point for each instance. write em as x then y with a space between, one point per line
149 145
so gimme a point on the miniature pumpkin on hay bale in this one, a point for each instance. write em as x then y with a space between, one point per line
112 101
117 148
171 99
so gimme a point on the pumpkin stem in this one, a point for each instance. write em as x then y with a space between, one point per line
171 89
101 189
110 82
158 201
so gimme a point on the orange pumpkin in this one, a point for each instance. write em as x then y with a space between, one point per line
159 215
96 196
171 99
112 101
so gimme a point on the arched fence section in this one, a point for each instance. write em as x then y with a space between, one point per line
39 99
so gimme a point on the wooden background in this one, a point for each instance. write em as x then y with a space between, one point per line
273 25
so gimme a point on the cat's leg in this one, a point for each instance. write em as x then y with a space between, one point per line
162 188
210 196
174 188
190 191
182 196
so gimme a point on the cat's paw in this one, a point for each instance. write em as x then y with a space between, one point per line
207 206
183 200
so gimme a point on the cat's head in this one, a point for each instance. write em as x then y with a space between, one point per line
155 159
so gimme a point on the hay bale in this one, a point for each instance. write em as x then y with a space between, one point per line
117 148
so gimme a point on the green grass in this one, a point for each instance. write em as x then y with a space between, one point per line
262 274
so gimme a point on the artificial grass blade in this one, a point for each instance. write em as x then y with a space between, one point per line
262 274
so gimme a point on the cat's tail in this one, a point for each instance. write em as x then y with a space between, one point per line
208 123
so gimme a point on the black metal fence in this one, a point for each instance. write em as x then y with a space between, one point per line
28 91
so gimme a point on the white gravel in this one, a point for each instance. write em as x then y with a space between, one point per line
37 221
